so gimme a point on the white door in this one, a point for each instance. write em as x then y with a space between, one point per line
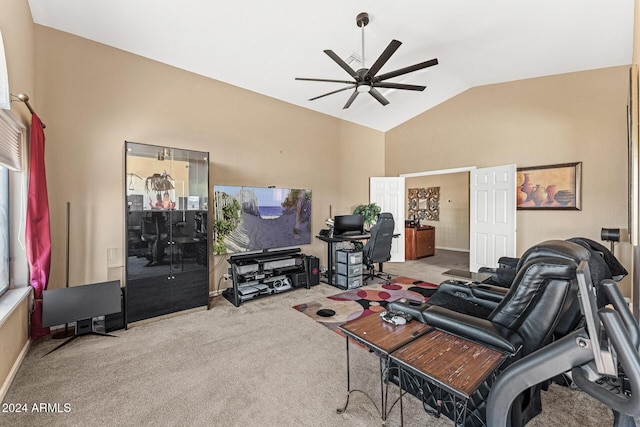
388 193
492 215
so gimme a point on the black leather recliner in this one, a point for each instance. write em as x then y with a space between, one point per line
542 299
502 275
479 299
602 358
604 266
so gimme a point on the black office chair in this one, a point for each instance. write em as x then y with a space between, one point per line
378 248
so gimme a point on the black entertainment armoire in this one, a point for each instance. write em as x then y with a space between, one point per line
167 238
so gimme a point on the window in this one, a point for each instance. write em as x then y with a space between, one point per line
12 134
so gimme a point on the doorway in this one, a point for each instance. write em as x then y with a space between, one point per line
492 208
452 225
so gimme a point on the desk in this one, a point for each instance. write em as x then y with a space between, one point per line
453 364
383 338
330 241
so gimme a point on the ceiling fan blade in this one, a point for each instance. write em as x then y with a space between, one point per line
351 99
389 85
342 64
348 82
406 70
377 95
382 59
331 93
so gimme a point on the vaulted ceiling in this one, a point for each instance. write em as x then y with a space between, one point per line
263 46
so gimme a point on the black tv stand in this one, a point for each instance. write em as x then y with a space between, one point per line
265 273
83 327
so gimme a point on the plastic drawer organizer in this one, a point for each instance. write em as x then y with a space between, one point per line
348 269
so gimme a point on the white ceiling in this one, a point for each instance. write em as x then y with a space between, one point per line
262 45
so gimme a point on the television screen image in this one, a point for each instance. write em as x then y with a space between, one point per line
260 218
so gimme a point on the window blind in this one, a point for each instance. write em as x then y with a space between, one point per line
11 137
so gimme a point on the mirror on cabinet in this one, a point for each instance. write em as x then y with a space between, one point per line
167 242
167 205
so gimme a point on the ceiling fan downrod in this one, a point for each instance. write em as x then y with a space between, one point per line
361 21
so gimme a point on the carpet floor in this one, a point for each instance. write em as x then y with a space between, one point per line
260 364
335 310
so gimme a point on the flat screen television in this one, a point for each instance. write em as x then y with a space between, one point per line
260 218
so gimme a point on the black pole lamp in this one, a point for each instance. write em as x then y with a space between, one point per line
610 235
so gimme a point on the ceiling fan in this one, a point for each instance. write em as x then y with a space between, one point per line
366 79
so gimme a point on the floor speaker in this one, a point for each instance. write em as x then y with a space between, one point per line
298 280
313 270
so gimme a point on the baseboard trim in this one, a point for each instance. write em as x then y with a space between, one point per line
14 370
452 249
165 316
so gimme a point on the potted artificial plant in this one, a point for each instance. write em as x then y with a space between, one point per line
369 212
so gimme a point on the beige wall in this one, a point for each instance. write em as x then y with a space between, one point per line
452 229
359 149
548 120
94 97
636 32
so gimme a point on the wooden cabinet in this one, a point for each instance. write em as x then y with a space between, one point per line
419 242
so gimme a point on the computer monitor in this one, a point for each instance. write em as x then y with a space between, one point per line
349 224
80 304
68 305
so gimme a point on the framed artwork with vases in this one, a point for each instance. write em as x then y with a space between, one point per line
556 187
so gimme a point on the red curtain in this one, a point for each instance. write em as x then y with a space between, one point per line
38 231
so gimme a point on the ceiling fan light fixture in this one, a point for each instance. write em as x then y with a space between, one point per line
367 80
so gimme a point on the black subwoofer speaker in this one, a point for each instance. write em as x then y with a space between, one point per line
312 267
298 280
